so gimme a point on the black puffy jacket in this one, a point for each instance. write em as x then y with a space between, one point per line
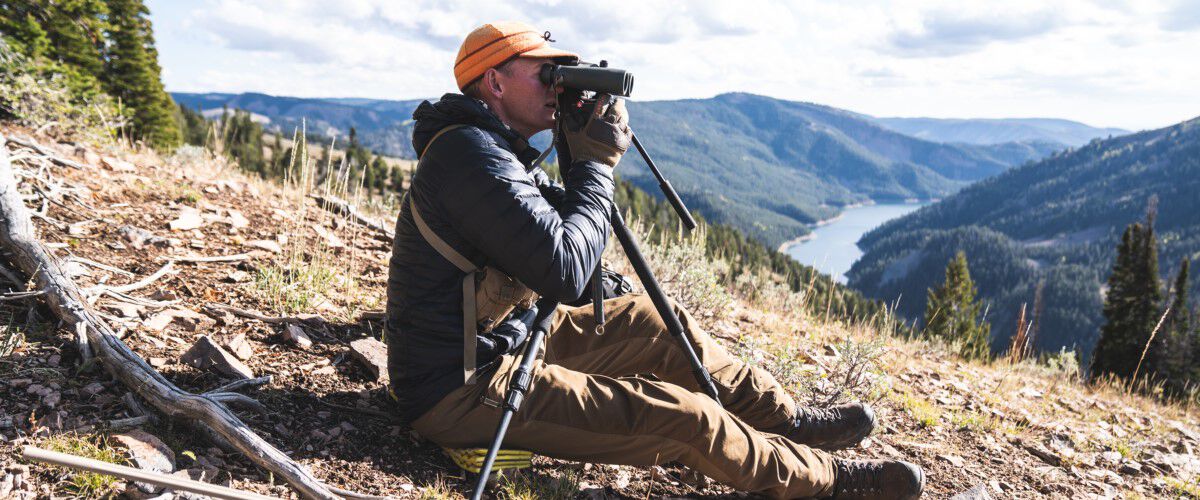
475 189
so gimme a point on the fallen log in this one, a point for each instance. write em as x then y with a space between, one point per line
94 335
342 207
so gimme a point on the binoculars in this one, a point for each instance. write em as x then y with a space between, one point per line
598 78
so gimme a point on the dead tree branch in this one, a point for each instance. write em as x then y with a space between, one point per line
42 150
67 301
341 207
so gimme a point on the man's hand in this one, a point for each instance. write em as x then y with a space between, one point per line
605 136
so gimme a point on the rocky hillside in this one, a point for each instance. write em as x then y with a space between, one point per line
265 282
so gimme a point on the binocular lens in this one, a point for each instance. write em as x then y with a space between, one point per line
594 78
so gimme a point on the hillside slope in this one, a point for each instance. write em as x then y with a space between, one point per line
1056 221
767 166
1016 431
1000 130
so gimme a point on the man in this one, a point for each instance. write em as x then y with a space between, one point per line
476 200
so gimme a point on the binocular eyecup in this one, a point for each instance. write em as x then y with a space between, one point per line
588 77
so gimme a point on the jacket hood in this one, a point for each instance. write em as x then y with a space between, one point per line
458 109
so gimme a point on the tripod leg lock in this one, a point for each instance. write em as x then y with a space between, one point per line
516 393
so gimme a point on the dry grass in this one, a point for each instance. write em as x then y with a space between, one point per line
86 484
526 485
439 489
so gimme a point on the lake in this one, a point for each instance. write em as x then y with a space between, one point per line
831 248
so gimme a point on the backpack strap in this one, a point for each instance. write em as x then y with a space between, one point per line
470 333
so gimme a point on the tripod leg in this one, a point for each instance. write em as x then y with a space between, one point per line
626 238
598 298
517 387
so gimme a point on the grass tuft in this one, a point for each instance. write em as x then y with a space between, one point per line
1185 489
87 484
925 413
531 486
437 490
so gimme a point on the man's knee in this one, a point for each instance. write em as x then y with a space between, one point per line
643 314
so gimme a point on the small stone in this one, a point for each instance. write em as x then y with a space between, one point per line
294 334
238 276
268 245
157 362
206 354
1130 468
954 460
92 389
159 321
977 492
52 399
1111 456
54 360
331 239
89 157
117 165
239 346
192 320
20 382
147 452
372 354
188 219
78 229
237 220
139 238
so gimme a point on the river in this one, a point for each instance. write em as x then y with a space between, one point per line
832 248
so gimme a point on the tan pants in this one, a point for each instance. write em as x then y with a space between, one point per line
588 403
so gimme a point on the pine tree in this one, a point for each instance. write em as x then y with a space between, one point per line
1131 306
1175 364
66 37
951 312
134 76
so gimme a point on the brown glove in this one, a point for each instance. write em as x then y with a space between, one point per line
605 136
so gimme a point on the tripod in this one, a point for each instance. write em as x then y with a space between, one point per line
519 384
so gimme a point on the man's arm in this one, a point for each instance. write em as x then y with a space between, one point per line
552 191
498 208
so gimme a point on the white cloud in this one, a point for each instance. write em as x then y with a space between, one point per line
1105 62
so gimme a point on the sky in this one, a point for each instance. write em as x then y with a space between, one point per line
1112 63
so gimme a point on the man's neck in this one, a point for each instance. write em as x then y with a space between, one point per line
499 112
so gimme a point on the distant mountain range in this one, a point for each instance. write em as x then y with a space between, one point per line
1056 222
767 166
995 131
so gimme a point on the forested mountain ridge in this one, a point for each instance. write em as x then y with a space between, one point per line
1000 130
767 166
1055 222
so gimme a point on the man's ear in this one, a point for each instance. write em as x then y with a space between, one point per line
491 83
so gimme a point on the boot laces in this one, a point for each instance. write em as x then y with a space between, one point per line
860 477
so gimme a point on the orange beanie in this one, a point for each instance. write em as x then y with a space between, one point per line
493 43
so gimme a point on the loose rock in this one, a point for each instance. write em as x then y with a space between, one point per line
295 335
268 245
188 220
977 492
147 452
373 355
206 354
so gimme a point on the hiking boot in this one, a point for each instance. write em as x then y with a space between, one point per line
834 428
877 480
